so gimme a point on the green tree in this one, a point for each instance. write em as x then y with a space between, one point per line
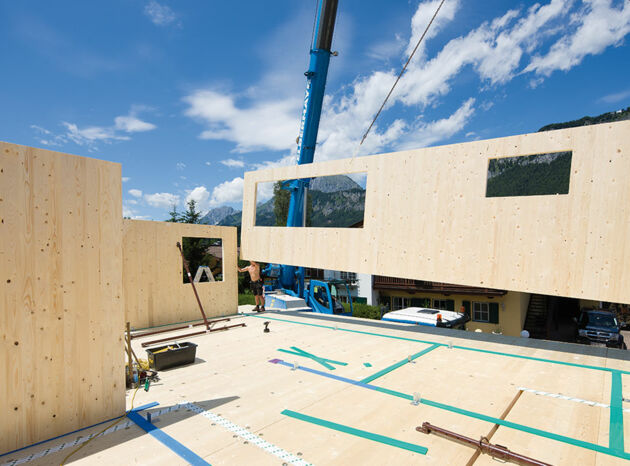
191 215
194 248
174 215
281 200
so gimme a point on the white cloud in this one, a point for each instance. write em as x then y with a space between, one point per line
385 51
208 163
135 192
597 26
497 51
201 196
262 125
40 129
180 166
128 212
224 193
265 192
125 179
160 15
266 114
616 97
228 191
233 163
290 159
421 18
88 136
132 124
91 135
162 200
427 134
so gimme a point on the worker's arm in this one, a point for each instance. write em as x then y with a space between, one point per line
244 269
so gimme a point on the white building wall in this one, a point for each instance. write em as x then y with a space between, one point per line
364 281
363 287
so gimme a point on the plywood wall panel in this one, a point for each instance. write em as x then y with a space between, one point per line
154 290
427 218
61 316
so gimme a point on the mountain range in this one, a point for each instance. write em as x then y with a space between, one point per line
337 201
215 216
618 115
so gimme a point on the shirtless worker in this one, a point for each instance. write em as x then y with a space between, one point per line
257 284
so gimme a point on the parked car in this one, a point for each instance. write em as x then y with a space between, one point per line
430 317
599 328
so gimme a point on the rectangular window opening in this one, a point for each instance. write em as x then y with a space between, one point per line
529 175
205 259
481 312
336 201
444 304
399 302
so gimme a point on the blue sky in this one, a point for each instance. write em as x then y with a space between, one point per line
188 95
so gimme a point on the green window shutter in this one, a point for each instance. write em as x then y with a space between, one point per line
494 313
466 305
450 305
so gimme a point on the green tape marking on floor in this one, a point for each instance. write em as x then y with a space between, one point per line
530 430
615 433
367 364
331 361
392 392
532 358
323 361
398 364
357 432
266 317
511 355
512 425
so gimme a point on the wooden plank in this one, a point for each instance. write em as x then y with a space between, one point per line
427 218
154 290
61 293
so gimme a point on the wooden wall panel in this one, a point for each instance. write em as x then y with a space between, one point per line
154 291
427 218
61 314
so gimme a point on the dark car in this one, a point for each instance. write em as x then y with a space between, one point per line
599 328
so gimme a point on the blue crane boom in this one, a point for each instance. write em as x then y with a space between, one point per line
291 277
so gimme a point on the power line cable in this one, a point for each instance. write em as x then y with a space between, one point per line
401 73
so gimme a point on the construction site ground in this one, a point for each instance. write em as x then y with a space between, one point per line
244 401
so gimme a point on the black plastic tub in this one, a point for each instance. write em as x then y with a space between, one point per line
179 355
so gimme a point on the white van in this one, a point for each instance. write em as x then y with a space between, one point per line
427 316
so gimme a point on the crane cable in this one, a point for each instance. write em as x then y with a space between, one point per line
400 74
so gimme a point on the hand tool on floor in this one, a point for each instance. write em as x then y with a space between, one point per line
494 450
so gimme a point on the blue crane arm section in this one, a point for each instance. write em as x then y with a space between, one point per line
291 277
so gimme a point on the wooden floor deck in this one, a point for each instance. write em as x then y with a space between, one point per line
234 406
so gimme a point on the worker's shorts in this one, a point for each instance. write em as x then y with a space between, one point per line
257 288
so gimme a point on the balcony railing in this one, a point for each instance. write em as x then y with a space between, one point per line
413 286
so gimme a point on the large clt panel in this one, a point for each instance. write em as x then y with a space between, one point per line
154 290
61 313
427 217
